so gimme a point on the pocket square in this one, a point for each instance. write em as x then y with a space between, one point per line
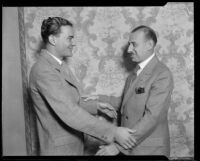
139 90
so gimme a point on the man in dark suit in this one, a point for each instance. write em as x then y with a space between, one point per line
61 121
146 99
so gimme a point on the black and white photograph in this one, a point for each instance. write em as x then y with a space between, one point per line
98 81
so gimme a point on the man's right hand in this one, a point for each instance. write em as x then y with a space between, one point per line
124 136
107 109
90 97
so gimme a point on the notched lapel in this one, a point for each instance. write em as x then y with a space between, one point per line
57 67
69 78
141 79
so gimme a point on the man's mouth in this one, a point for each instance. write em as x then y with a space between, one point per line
133 54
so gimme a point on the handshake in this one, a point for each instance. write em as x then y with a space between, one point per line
123 136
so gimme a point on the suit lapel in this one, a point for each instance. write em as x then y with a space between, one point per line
59 68
69 76
140 79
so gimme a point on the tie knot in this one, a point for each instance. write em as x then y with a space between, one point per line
136 68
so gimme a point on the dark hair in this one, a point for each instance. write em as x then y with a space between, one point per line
149 33
51 26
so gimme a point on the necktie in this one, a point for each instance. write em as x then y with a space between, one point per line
130 81
135 73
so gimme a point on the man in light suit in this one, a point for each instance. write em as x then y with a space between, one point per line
61 121
146 99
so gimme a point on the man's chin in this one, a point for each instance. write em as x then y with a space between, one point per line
69 55
134 60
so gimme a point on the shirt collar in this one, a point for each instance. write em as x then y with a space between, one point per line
57 59
144 63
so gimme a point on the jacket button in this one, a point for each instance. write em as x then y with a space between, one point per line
126 117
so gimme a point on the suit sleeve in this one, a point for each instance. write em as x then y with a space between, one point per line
56 94
114 101
156 109
90 106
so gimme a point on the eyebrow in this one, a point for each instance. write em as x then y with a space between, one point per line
70 37
133 43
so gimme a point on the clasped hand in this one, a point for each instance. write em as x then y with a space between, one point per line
124 136
105 108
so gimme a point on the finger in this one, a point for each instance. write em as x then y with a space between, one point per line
129 145
98 153
124 146
115 114
107 106
132 131
101 146
111 108
132 138
109 114
104 153
86 99
112 114
101 152
89 98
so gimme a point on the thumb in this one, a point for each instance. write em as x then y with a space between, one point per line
101 146
132 131
86 99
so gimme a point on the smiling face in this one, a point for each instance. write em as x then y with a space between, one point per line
64 42
139 46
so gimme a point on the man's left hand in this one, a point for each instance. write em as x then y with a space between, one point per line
108 150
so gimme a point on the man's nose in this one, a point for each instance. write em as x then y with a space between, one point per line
130 48
73 43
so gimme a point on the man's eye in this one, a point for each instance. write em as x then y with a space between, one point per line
132 43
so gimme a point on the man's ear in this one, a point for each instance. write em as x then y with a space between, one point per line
150 44
52 40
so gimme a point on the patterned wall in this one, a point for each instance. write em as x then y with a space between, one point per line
100 37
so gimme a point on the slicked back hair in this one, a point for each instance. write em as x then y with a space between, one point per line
149 33
51 26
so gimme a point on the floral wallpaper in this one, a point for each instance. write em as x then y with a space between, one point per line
101 35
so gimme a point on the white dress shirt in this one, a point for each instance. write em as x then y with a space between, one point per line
57 59
144 63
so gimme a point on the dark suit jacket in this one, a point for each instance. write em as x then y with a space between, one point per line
144 107
60 119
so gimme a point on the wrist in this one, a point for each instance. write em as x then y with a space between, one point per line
97 105
115 133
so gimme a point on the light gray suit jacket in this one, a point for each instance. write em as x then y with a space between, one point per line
61 121
144 107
